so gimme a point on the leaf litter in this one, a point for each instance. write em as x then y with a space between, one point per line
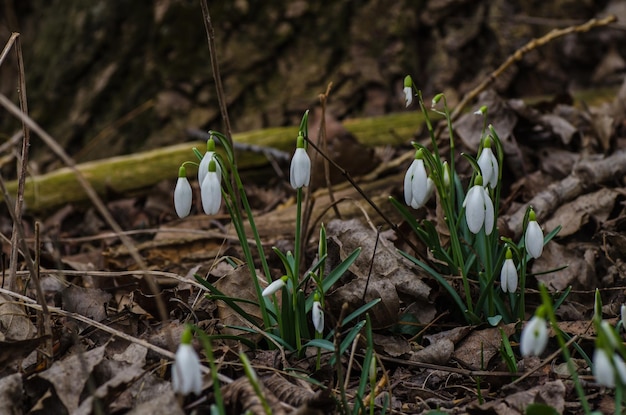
560 157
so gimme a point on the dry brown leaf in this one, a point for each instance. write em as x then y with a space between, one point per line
19 349
574 215
67 377
437 353
121 376
549 393
579 271
394 346
236 283
240 397
11 394
476 350
15 324
88 302
391 277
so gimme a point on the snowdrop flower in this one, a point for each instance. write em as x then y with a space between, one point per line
186 372
418 187
488 165
508 274
211 190
478 208
534 337
481 111
602 369
533 237
623 316
408 90
274 287
606 369
435 100
182 194
203 169
300 171
317 314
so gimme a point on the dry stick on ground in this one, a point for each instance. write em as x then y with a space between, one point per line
585 175
29 302
95 199
521 52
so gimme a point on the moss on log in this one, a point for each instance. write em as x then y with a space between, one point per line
121 175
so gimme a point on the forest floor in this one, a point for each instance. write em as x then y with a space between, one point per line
103 344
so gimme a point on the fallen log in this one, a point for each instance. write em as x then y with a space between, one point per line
119 176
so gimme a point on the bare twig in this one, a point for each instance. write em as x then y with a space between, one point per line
28 302
7 47
519 54
99 205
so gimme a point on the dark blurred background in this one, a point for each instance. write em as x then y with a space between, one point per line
108 77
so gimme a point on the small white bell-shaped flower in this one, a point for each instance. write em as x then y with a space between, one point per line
508 274
623 316
182 194
408 90
203 169
534 337
418 187
533 237
488 164
478 208
602 368
211 190
186 371
317 314
275 286
300 171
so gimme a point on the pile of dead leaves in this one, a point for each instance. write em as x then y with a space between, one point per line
102 347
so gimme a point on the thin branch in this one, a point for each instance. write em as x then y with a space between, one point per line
519 54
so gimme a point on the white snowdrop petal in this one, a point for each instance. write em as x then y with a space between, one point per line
489 213
408 183
419 184
508 276
408 95
534 338
474 209
534 239
300 169
211 193
273 287
317 315
603 369
182 197
186 372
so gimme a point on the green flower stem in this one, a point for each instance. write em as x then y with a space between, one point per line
547 303
447 202
295 274
241 235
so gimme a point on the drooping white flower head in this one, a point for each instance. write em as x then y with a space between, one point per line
478 208
488 164
274 287
534 337
408 90
603 368
508 274
623 316
186 371
418 187
211 190
203 169
317 315
300 170
182 194
533 236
